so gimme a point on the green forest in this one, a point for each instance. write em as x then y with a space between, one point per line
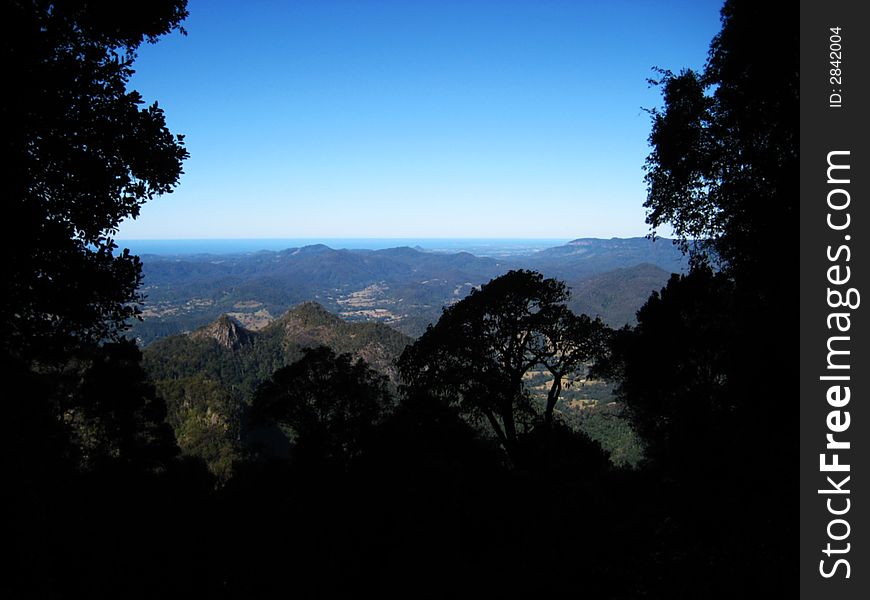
515 445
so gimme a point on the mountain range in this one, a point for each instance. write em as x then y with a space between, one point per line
404 287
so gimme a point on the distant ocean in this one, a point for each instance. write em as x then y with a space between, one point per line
478 247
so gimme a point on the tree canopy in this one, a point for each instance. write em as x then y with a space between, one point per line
477 355
86 451
83 153
723 172
330 402
707 374
725 152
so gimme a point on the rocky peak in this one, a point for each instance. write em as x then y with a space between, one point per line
226 331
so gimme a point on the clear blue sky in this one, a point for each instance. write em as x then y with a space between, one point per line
414 118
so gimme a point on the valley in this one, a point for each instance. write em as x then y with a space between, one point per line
405 288
215 326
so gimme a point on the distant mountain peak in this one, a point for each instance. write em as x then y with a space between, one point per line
624 241
400 251
308 320
311 249
309 308
226 331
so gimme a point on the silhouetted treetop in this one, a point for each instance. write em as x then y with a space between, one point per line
331 402
708 373
117 419
478 353
83 154
676 370
723 168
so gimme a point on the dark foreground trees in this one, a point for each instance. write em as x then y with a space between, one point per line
725 147
331 403
708 372
724 171
85 451
82 153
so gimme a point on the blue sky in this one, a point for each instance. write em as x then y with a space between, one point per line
414 118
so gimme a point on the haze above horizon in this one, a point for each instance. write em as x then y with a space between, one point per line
489 247
348 120
217 246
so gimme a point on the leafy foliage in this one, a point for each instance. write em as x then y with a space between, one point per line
481 349
609 426
677 371
82 155
723 168
207 418
116 416
706 374
331 402
86 453
725 146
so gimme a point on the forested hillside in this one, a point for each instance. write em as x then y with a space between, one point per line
208 377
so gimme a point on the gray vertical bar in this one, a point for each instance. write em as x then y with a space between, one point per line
824 129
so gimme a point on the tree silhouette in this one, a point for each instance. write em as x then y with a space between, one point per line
675 370
565 344
86 452
723 173
482 347
707 373
724 162
331 402
83 153
117 419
